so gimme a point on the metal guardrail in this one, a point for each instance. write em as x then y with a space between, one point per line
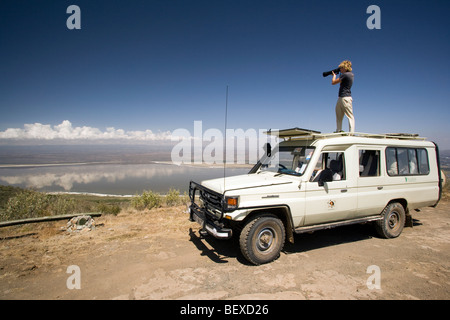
48 218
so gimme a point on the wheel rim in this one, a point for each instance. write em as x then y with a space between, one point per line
393 220
265 239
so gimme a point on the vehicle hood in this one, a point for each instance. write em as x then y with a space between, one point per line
245 181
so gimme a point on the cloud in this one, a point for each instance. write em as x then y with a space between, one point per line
65 131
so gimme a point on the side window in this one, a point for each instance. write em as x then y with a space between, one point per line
335 162
422 157
406 161
412 158
403 166
391 161
332 163
369 163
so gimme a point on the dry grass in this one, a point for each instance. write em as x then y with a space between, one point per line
47 245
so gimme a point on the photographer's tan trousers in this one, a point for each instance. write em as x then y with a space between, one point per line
344 106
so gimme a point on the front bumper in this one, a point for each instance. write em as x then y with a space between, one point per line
198 215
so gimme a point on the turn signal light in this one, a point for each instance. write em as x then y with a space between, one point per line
231 203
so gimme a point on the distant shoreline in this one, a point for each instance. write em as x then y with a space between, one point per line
208 165
195 165
90 194
51 164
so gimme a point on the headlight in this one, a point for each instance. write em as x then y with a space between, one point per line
231 203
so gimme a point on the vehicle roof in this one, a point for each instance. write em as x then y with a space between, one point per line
294 136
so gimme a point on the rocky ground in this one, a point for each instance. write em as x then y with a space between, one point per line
160 255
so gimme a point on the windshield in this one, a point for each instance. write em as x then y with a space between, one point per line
288 160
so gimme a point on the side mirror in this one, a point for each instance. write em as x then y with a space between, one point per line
268 149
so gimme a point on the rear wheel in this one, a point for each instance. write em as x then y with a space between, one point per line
391 226
262 239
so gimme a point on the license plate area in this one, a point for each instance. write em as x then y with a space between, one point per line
198 219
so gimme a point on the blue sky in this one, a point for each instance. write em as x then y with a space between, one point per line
161 65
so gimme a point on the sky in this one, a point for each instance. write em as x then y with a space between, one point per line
142 69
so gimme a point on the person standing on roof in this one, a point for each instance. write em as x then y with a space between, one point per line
344 104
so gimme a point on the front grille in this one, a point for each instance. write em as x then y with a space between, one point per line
209 198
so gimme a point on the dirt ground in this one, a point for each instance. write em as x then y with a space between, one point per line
160 255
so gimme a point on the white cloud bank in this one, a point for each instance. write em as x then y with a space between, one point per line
65 131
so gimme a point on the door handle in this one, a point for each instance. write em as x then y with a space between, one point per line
343 190
379 188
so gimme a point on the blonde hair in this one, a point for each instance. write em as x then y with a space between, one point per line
347 65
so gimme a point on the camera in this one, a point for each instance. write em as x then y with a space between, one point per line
327 73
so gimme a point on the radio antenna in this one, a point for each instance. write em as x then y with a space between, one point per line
225 140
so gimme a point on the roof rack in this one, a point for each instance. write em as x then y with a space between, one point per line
293 132
307 134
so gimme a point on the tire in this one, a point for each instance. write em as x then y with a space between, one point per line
262 239
391 226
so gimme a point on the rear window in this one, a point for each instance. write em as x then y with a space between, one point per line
406 161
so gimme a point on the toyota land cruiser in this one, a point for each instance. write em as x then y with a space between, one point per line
313 181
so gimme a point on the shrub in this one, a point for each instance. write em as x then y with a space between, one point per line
109 209
26 204
31 204
147 200
7 192
173 197
60 205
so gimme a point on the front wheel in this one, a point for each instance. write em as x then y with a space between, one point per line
393 221
262 239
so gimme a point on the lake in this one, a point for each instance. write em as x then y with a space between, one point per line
115 179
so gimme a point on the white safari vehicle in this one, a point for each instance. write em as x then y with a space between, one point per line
313 181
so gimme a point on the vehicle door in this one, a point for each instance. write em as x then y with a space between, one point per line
371 181
330 199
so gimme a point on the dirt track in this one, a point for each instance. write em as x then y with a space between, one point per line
159 255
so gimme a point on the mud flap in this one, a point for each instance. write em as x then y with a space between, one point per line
408 220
